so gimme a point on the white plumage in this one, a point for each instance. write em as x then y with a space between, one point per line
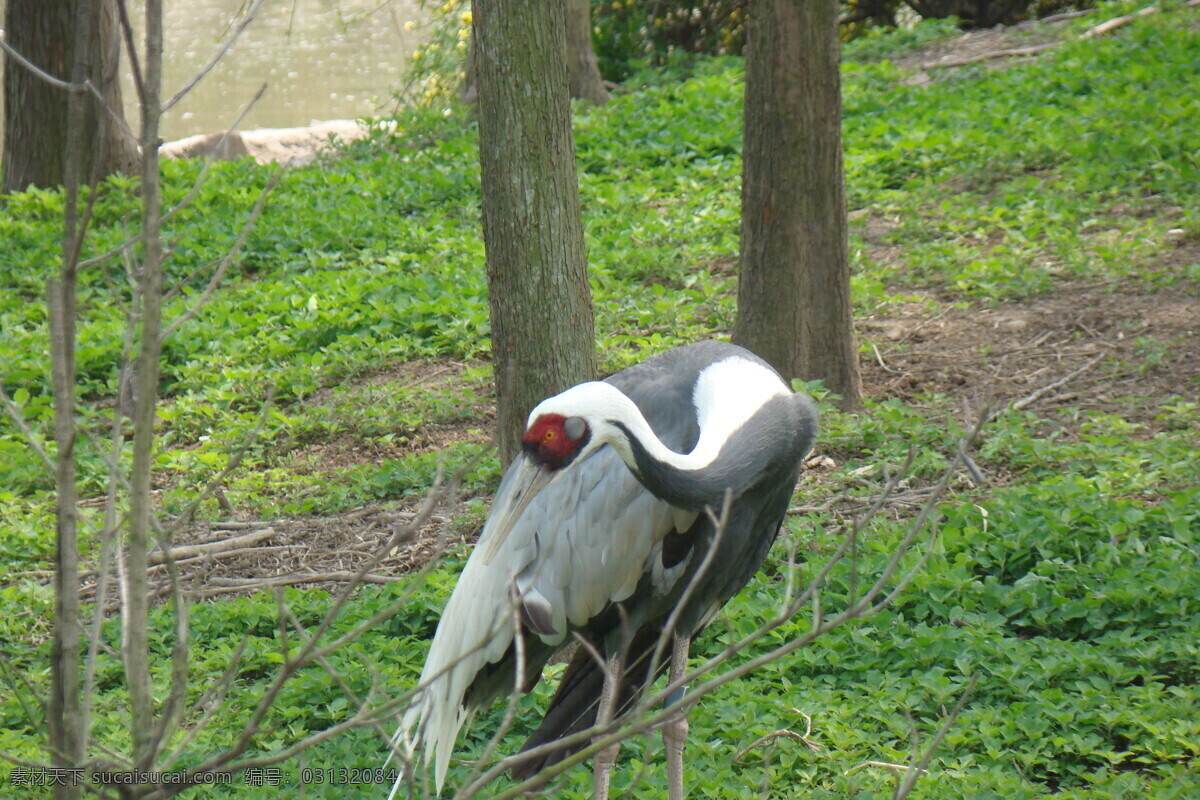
554 559
564 543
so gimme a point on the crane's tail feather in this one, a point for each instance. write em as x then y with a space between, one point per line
577 700
434 726
404 742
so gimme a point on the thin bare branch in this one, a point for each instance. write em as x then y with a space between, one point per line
227 259
74 87
882 764
41 74
135 645
135 65
172 709
108 534
312 650
11 676
910 777
187 198
247 18
364 708
211 700
1034 396
18 419
235 460
770 737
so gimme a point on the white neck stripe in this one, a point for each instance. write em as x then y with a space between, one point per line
728 393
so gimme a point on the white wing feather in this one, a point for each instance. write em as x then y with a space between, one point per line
581 543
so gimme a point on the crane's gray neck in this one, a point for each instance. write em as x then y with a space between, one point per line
783 430
749 422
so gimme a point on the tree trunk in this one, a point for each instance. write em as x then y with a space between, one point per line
542 337
582 68
35 112
468 93
794 290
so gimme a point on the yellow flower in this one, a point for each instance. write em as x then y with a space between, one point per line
466 17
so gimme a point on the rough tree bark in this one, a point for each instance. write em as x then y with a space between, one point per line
542 335
582 67
794 290
583 70
35 112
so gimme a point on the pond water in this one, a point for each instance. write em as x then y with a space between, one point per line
320 59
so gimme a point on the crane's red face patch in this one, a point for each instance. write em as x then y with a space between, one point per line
547 442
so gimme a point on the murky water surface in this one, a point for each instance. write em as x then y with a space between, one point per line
320 59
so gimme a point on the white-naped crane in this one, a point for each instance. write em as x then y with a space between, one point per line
599 531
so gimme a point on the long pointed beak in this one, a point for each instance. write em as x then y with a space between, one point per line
526 483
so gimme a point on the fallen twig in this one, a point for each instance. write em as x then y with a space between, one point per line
1014 52
922 324
221 548
234 525
1116 22
225 585
823 507
1065 16
879 360
884 764
784 733
89 590
244 541
416 382
1034 396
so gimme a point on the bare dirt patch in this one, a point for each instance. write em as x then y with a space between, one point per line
1086 346
398 375
1000 47
1019 42
325 552
377 386
342 452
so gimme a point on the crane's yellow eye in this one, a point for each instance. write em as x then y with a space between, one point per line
549 435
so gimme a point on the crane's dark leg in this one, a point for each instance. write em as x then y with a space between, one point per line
675 731
603 761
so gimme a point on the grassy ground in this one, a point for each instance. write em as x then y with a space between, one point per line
1024 234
